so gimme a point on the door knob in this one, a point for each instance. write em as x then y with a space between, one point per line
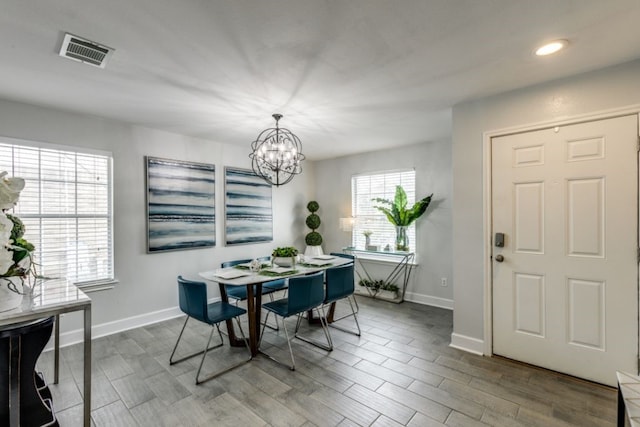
499 258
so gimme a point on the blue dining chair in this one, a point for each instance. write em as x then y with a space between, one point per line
192 296
353 259
341 285
343 255
239 293
305 293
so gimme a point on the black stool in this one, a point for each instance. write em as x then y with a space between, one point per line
25 399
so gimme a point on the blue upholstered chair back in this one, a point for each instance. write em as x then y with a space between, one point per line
193 298
340 254
340 282
305 292
241 261
234 262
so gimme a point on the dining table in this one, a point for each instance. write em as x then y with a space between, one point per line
241 275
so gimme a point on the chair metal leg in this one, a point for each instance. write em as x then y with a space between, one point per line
354 313
263 326
173 362
205 353
206 349
275 328
325 329
293 362
286 332
244 338
325 326
218 373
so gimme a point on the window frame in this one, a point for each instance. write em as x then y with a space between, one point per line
377 220
109 279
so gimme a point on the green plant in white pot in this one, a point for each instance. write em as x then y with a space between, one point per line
285 256
401 216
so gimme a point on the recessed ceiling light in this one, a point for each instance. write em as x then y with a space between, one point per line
551 47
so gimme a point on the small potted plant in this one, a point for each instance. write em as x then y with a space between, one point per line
367 243
285 256
367 237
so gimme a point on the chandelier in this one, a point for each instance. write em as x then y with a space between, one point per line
276 155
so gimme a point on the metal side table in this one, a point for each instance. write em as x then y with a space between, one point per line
402 263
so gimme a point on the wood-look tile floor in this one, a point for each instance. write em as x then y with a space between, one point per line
400 372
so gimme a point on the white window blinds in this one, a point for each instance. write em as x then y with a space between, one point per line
66 208
364 188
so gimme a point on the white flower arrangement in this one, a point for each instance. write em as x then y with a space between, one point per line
15 252
10 189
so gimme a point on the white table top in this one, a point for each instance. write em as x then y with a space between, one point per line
253 278
630 387
51 296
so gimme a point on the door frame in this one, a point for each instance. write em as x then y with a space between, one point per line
487 201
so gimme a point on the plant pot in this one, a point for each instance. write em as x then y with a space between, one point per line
388 295
284 261
402 239
312 251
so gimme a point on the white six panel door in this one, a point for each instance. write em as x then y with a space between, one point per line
566 295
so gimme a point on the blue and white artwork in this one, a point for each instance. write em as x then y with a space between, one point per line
248 212
180 205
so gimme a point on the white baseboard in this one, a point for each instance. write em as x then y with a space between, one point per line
429 300
109 328
468 344
121 325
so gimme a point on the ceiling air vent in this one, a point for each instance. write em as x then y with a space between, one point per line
83 50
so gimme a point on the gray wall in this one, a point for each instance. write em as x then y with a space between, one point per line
432 162
606 89
147 290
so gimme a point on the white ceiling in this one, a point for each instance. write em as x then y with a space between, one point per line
348 75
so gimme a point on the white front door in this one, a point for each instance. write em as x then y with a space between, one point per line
565 282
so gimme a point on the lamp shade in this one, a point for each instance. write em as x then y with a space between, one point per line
346 224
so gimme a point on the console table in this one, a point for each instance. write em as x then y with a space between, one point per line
402 263
53 298
628 400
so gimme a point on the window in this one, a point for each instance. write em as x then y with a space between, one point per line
66 208
364 188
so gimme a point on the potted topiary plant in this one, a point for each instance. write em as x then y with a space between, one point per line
285 256
313 239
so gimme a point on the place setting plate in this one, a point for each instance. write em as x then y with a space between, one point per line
231 273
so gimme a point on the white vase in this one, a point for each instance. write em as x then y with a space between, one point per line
9 300
312 251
